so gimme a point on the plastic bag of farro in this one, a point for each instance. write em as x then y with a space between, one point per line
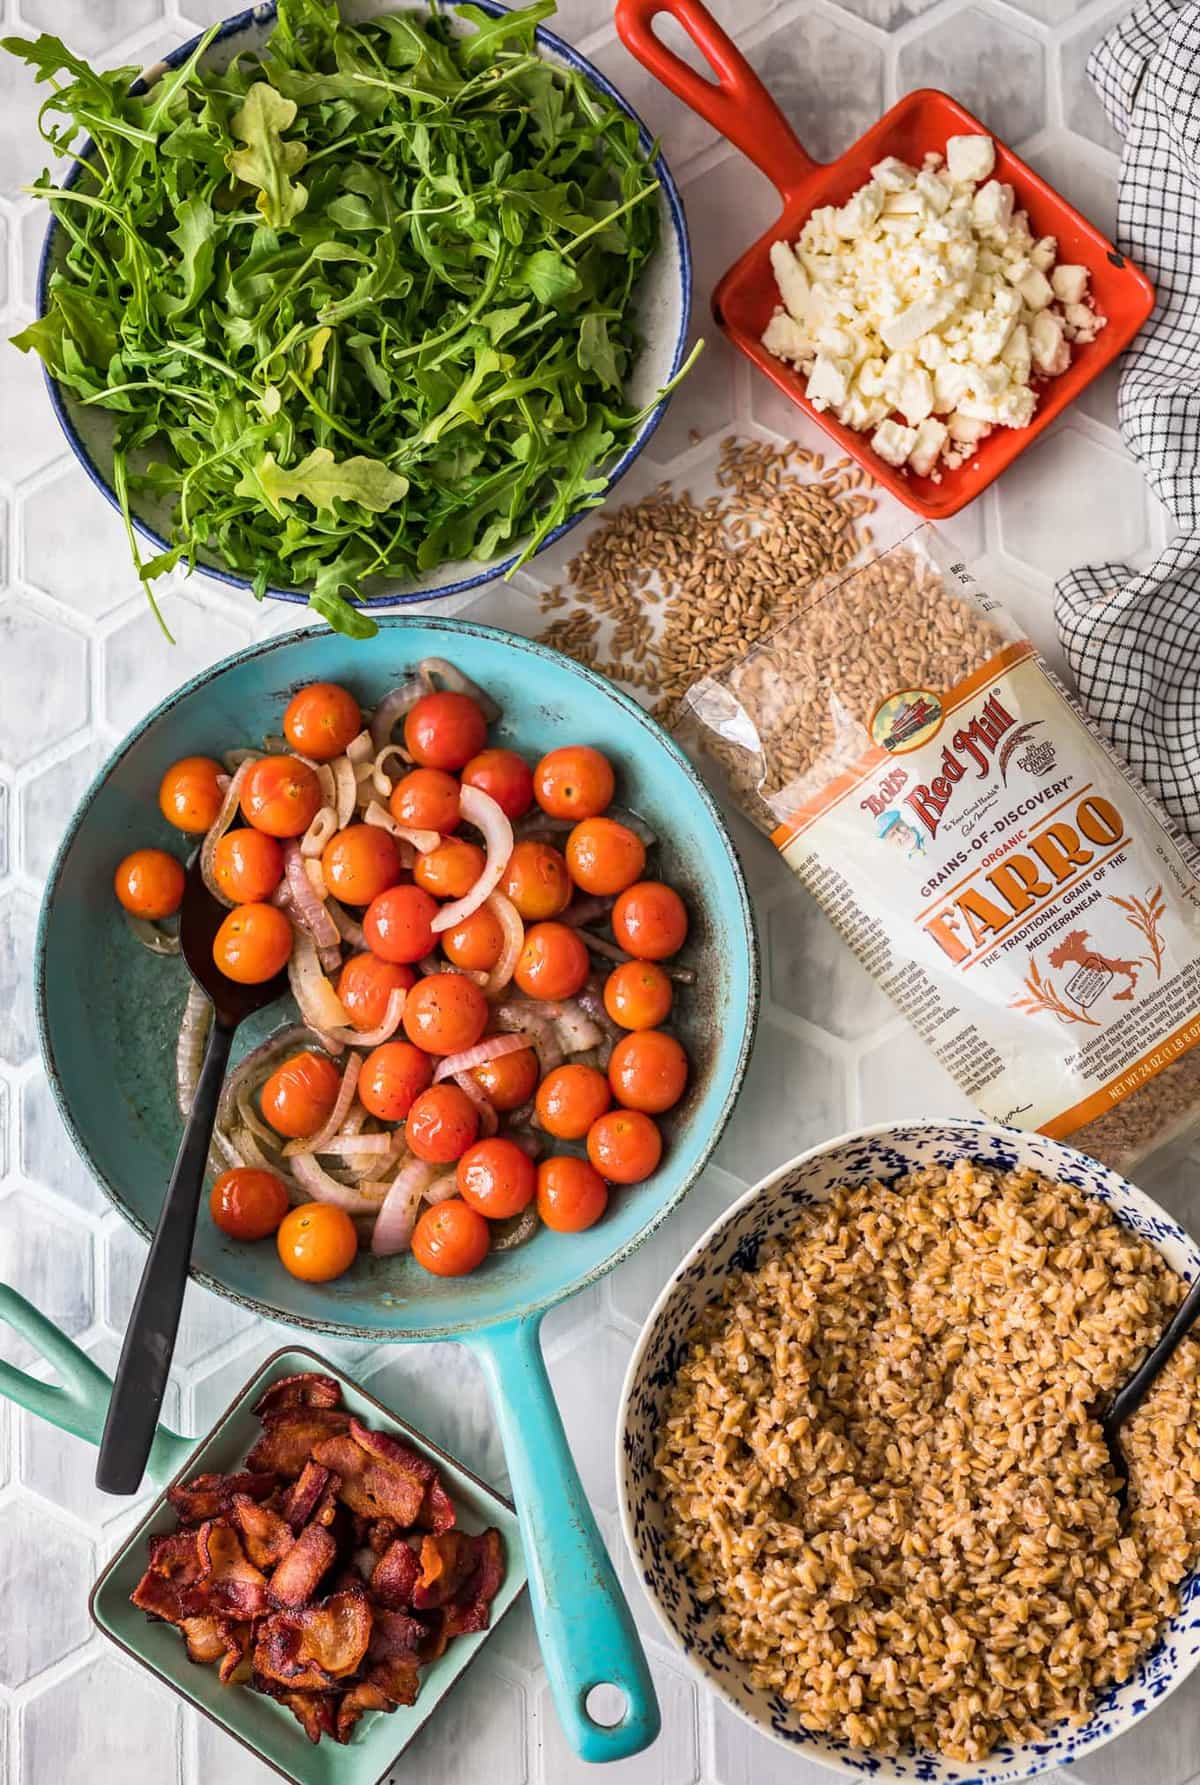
992 863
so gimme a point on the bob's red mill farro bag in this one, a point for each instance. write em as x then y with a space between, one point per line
985 854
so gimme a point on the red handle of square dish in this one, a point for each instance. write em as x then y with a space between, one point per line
737 104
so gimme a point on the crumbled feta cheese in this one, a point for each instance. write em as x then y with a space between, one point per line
1036 289
931 439
1017 355
1044 253
784 338
1048 344
791 279
966 431
894 443
1070 283
892 174
906 329
861 212
829 382
935 191
970 158
992 206
1084 323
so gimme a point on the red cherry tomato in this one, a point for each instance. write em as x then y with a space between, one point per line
554 962
497 1178
248 1204
398 925
321 720
190 794
574 782
638 995
392 1078
506 776
650 920
571 1194
281 796
451 869
365 986
445 1013
427 800
450 1239
603 856
360 862
648 1071
536 880
149 883
247 866
510 1080
298 1098
441 1124
253 944
444 730
570 1099
625 1146
476 942
317 1242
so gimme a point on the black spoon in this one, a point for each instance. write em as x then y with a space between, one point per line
145 1364
1129 1398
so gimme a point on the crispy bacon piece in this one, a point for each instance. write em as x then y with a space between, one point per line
205 1638
313 1495
396 1574
350 1706
171 1587
370 1487
448 1559
316 1712
308 1389
298 1576
436 1512
398 1638
232 1584
292 1435
266 1537
471 1610
374 1533
308 1649
211 1495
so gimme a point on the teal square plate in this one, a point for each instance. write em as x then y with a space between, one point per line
268 1729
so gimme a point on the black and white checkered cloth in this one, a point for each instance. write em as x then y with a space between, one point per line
1133 639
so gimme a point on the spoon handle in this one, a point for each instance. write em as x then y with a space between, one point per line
1126 1402
141 1378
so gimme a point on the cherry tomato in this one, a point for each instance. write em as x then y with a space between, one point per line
574 782
398 924
392 1078
650 920
497 1178
536 880
281 796
248 1204
247 866
450 1239
298 1098
571 1194
624 1146
476 942
188 794
426 799
253 944
648 1071
570 1099
638 995
360 862
444 730
366 984
441 1124
506 776
604 856
445 1013
317 1242
510 1080
320 720
149 883
553 963
451 869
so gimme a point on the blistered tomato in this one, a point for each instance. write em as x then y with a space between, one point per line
398 925
248 1204
253 944
603 856
537 881
648 1071
476 942
149 883
317 1242
450 1239
510 1080
650 920
321 720
441 1124
571 1194
392 1078
444 730
638 995
451 869
298 1098
496 1178
281 796
570 1099
506 776
190 794
247 866
554 962
445 1013
427 800
365 987
625 1146
574 782
360 862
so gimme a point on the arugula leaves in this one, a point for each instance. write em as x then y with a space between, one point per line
358 304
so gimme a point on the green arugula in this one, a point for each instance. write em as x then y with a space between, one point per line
358 304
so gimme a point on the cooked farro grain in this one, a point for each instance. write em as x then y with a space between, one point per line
881 1461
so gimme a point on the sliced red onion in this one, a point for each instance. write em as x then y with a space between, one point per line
352 1037
316 876
538 1030
527 1141
576 1030
309 911
611 951
492 1047
489 1121
423 841
251 1119
398 1214
321 831
514 942
378 1148
506 1235
233 759
449 674
391 709
320 1005
220 824
433 964
481 810
152 936
586 908
348 928
442 1189
360 749
345 789
189 1049
323 1188
315 1143
381 781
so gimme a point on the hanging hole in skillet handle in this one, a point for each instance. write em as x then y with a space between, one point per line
736 103
606 1705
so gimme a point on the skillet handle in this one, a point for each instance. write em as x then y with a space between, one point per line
585 1628
737 104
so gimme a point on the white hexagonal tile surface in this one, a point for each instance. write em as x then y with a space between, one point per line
45 1567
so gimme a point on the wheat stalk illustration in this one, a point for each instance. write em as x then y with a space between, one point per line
1043 996
1146 916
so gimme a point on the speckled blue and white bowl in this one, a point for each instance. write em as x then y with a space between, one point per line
734 1242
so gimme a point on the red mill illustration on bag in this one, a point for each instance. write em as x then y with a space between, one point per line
991 862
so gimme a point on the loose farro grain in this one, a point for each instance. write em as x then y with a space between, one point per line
881 1462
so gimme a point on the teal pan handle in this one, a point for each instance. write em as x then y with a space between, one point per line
79 1402
585 1628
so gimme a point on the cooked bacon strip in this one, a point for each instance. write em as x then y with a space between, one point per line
396 1574
471 1610
316 1712
351 1705
306 1650
399 1681
448 1560
298 1576
292 1435
266 1537
309 1389
171 1587
306 1494
205 1637
397 1637
370 1486
232 1584
212 1496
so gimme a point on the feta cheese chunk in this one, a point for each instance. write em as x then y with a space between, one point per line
892 174
992 206
1070 283
829 382
1048 344
931 439
785 338
791 279
970 159
894 443
1043 254
1036 289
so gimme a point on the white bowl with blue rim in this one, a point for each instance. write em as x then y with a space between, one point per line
768 1211
663 301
